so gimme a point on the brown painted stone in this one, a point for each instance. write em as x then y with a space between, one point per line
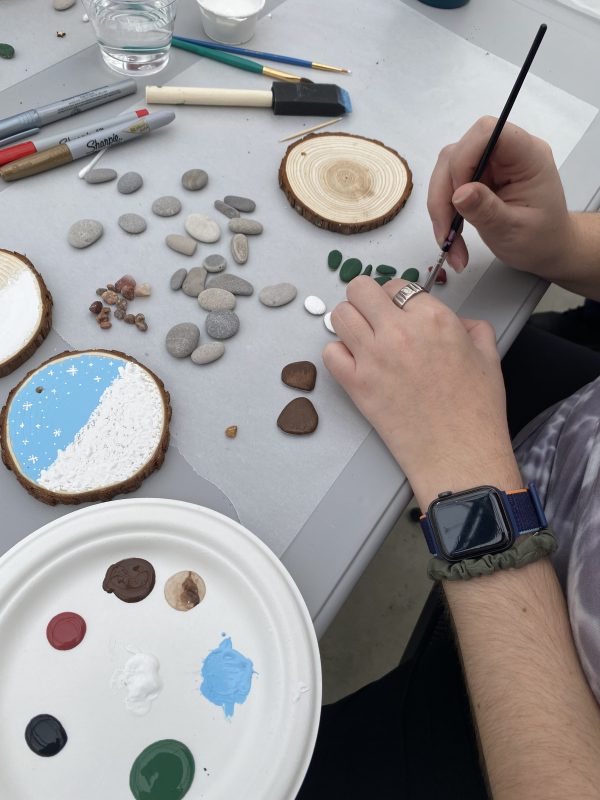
300 375
298 417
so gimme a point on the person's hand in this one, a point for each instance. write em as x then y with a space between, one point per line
429 383
518 207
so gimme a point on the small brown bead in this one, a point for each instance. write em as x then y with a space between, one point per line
141 326
231 431
129 319
119 313
125 280
128 291
110 287
96 307
105 324
100 291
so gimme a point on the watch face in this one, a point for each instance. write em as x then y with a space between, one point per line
470 524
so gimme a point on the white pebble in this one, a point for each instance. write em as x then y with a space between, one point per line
327 322
85 18
314 305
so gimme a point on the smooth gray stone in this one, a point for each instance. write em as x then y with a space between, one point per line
239 248
130 182
249 227
229 211
84 232
100 176
194 179
202 228
280 294
166 206
207 353
182 339
222 324
194 281
177 279
132 223
214 263
240 203
62 5
181 244
232 283
216 300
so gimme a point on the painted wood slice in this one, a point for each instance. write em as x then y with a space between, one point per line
25 310
85 426
343 182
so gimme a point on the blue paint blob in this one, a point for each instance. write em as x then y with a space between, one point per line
227 677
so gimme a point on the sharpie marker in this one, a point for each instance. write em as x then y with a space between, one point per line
85 146
44 115
23 149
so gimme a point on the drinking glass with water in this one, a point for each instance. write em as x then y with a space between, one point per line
134 37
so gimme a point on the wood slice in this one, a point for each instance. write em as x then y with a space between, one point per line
343 182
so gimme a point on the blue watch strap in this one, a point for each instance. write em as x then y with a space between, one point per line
523 507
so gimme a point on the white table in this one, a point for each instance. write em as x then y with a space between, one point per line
330 551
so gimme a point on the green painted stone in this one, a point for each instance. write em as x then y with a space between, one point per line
6 50
334 259
350 269
410 274
368 270
383 269
163 771
381 279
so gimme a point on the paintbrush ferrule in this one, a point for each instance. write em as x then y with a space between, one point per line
327 68
435 271
279 75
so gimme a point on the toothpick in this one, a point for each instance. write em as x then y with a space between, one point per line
310 130
83 172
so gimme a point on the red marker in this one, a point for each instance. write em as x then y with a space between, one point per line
16 151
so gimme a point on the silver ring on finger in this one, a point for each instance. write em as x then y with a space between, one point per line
405 294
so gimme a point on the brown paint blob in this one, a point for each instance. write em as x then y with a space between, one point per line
131 579
185 590
65 631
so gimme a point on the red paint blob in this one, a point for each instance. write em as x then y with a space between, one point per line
65 631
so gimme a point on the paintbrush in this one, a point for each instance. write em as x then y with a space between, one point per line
302 99
236 61
458 218
243 51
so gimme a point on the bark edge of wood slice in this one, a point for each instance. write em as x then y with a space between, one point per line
344 182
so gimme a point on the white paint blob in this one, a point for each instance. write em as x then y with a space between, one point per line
141 681
327 322
20 305
120 437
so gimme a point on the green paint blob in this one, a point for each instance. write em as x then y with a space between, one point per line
163 771
368 269
6 50
383 269
410 274
381 279
334 259
350 269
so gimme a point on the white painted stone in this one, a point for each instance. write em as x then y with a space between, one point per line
314 305
327 322
203 228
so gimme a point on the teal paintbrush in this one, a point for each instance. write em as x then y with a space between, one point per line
237 61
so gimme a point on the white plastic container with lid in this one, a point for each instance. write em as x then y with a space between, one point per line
230 21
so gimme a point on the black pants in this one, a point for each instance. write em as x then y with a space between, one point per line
410 734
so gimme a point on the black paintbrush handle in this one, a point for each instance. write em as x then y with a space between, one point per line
458 218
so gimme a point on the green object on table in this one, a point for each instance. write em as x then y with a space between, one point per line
234 61
334 259
368 270
350 269
6 50
384 269
410 274
381 279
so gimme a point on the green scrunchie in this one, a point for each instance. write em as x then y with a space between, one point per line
525 550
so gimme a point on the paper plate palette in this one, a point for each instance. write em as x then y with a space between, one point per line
256 745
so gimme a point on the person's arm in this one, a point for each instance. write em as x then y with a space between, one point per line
537 719
519 208
431 385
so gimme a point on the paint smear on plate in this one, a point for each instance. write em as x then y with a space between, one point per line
227 677
141 681
45 735
185 590
65 631
163 771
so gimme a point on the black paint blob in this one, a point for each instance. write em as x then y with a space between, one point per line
45 735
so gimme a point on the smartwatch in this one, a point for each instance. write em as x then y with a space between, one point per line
480 521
